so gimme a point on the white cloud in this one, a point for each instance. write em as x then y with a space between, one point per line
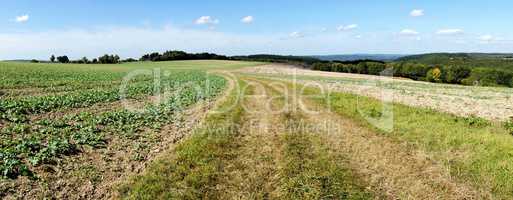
358 36
207 20
450 32
296 34
408 32
128 42
487 39
247 19
348 27
417 13
22 18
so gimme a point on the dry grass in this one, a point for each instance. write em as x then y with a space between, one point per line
392 168
486 102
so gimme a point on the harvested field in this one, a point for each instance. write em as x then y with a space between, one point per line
486 102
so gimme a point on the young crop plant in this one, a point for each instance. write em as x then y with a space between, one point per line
28 143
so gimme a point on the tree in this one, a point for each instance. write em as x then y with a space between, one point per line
63 59
455 74
109 59
84 60
95 60
434 75
52 58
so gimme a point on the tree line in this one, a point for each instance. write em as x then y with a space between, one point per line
454 74
181 55
105 59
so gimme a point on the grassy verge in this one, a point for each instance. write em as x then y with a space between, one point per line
310 171
193 169
475 150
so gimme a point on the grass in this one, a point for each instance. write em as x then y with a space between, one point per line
311 171
475 150
192 170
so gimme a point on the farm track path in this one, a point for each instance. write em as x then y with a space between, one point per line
391 168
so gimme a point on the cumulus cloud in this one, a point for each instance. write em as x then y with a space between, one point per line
206 20
417 13
450 32
247 19
22 18
409 32
348 27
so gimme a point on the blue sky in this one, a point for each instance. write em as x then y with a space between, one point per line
36 29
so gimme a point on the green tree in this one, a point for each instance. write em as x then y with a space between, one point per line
63 59
52 58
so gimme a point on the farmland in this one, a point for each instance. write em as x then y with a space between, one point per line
247 130
51 112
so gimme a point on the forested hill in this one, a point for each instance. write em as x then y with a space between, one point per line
481 60
353 57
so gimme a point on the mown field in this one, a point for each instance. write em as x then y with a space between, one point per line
245 130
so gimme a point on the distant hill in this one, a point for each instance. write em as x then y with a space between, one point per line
353 57
503 61
299 60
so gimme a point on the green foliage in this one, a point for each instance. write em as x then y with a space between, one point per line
441 74
456 74
363 67
63 59
26 142
434 75
108 59
180 55
489 77
470 60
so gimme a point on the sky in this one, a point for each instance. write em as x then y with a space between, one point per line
36 29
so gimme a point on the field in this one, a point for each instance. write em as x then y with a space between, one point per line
247 130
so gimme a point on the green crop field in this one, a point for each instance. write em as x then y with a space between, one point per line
53 111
